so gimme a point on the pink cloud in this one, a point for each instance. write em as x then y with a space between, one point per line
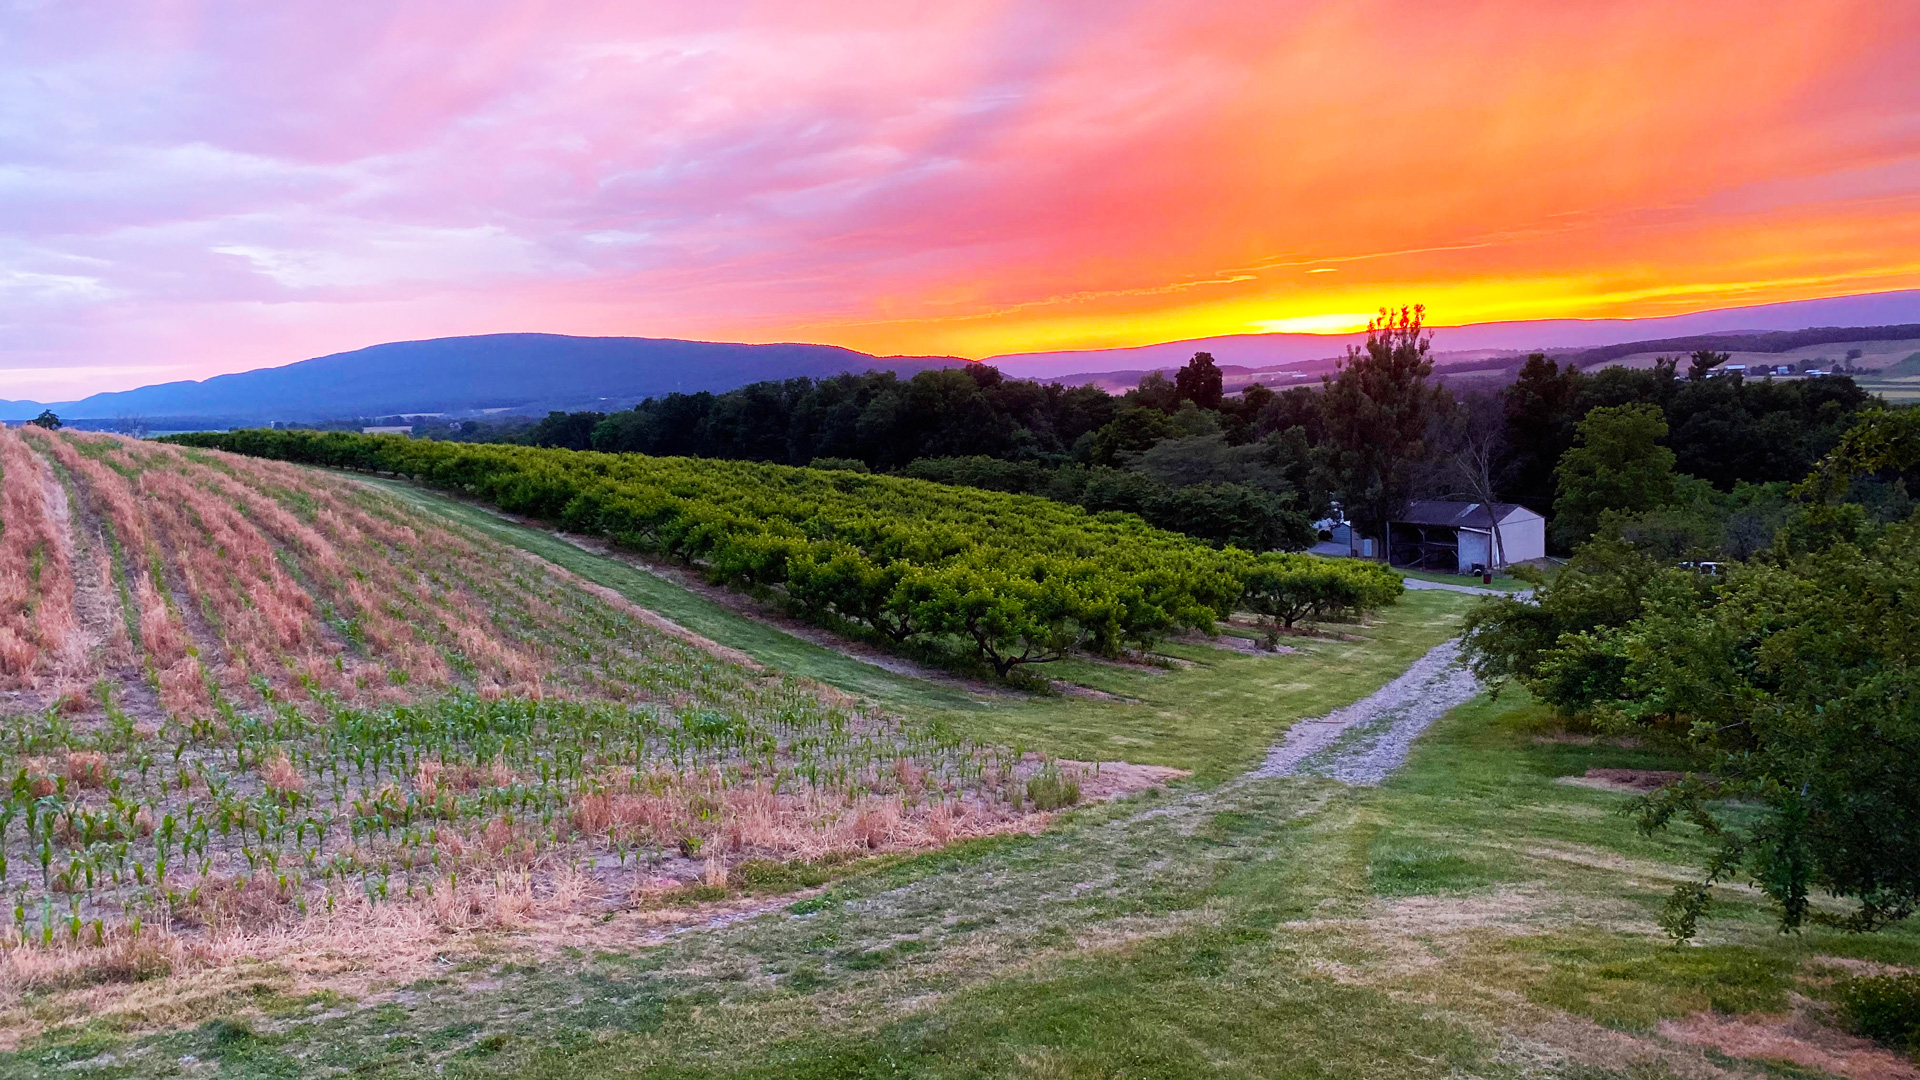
200 187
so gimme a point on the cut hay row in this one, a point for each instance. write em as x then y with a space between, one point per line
39 634
244 695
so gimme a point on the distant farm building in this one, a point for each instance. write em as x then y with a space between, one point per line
1455 537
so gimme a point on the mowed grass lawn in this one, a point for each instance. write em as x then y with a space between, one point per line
1214 711
1471 917
1217 713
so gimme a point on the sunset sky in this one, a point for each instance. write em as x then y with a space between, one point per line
194 187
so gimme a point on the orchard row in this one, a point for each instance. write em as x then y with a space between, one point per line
1010 579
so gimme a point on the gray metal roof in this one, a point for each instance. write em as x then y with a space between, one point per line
1459 515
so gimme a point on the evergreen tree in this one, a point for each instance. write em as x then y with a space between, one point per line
1378 410
1200 381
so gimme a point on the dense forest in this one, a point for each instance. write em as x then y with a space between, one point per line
1255 469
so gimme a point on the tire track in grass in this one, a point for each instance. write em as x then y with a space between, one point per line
1364 742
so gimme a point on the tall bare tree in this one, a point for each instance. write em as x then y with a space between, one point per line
1475 448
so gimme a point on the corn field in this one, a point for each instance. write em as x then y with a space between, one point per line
235 692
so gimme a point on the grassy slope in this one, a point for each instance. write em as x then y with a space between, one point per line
1218 715
1470 917
1215 716
1466 918
696 613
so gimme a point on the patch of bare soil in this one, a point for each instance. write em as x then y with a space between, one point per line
1103 780
1859 968
1791 1040
1565 1037
1627 781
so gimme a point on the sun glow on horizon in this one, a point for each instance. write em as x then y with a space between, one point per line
1346 322
995 177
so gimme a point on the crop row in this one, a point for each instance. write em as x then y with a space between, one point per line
245 815
240 688
197 569
1011 579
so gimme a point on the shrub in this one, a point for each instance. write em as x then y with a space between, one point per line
1292 587
1051 791
1884 1008
1790 682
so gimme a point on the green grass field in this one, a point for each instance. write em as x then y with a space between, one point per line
1899 383
1500 581
1213 715
1471 917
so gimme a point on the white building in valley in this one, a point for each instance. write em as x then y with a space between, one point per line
1456 537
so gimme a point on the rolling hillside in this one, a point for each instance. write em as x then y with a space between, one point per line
235 694
532 373
521 372
315 775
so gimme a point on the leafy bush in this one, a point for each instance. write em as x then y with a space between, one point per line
1791 682
1051 791
1885 1008
1289 588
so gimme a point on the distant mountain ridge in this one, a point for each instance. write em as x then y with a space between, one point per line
536 372
1777 341
519 372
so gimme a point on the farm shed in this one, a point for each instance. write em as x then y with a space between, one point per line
1454 537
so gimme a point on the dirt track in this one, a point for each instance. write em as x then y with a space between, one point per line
1365 741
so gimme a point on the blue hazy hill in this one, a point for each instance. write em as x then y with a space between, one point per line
521 372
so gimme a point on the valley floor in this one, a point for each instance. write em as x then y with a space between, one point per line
1470 915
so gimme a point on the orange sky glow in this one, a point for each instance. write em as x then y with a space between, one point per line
218 186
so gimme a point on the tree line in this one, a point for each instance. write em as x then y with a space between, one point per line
1256 468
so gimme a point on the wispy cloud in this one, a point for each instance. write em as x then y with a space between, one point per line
214 185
